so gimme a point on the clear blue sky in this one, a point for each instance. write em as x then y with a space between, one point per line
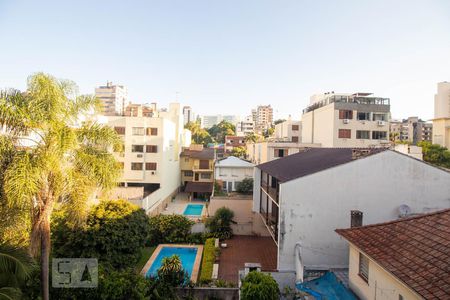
228 56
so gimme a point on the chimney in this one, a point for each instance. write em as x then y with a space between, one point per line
356 218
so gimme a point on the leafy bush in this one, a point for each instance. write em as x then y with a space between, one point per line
259 286
114 233
209 256
435 154
220 224
245 186
171 271
169 229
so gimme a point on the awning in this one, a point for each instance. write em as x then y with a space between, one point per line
199 187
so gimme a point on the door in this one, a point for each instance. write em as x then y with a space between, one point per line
230 186
196 176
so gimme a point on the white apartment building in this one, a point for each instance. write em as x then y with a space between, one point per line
269 150
412 130
288 131
441 121
346 120
113 98
262 117
245 127
150 158
188 115
231 171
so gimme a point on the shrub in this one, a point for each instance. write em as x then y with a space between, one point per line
245 186
259 286
169 229
209 256
171 271
220 224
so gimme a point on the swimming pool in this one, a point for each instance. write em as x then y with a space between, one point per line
193 210
190 256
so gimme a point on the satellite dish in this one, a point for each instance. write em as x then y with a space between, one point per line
404 210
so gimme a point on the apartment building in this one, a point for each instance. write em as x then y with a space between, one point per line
188 115
232 141
231 171
210 121
411 130
304 197
143 110
262 117
113 98
150 158
288 131
261 152
245 127
441 121
346 120
402 259
197 171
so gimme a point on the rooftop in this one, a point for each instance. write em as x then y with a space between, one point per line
415 250
233 161
206 153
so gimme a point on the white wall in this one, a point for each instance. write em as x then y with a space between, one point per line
312 207
233 174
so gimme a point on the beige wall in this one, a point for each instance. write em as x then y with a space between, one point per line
441 132
193 164
381 284
262 152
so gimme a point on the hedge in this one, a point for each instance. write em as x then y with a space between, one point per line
209 257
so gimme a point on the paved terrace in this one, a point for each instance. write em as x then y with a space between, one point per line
243 249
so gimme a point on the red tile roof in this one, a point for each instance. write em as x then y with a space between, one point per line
416 250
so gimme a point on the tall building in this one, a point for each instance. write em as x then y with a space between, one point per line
210 121
245 127
412 130
441 121
262 117
188 115
346 120
113 98
288 131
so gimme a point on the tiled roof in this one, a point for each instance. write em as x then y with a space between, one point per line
310 161
207 153
416 250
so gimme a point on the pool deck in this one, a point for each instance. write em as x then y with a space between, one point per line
197 262
178 206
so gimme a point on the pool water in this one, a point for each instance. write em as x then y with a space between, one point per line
187 257
193 210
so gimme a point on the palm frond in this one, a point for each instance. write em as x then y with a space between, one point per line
15 261
84 104
10 293
100 136
13 114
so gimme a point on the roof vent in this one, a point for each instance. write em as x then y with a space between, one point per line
356 218
404 210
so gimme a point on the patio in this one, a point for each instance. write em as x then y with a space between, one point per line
246 249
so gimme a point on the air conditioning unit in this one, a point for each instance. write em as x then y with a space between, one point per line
346 121
140 155
381 123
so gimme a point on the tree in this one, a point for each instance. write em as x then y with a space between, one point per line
435 154
169 229
199 135
259 286
269 132
252 138
279 121
220 224
245 186
239 152
219 131
52 160
171 271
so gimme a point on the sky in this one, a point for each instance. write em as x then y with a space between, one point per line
226 57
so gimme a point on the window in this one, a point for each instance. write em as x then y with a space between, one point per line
152 131
345 114
137 148
363 116
345 133
295 139
204 164
205 175
280 152
363 134
379 135
188 173
363 267
137 130
295 127
150 166
120 130
379 117
151 148
136 166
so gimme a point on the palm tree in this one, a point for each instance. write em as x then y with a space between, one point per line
53 161
15 267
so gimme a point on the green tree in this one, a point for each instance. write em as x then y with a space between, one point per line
171 271
259 286
169 229
252 138
219 131
245 186
435 154
220 224
239 152
199 135
279 121
61 164
269 132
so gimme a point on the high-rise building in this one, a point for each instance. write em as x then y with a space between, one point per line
262 117
246 126
412 130
210 121
441 121
113 98
346 120
188 115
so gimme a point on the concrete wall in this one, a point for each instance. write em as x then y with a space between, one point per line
381 284
206 293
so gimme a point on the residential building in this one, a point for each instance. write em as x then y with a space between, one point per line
232 141
411 150
188 115
303 197
288 131
261 152
245 127
150 157
113 98
262 117
231 171
346 120
210 121
197 171
411 130
441 121
143 110
407 258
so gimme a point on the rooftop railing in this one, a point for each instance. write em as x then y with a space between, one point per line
347 99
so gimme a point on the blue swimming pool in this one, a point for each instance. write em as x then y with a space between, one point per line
187 257
193 210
